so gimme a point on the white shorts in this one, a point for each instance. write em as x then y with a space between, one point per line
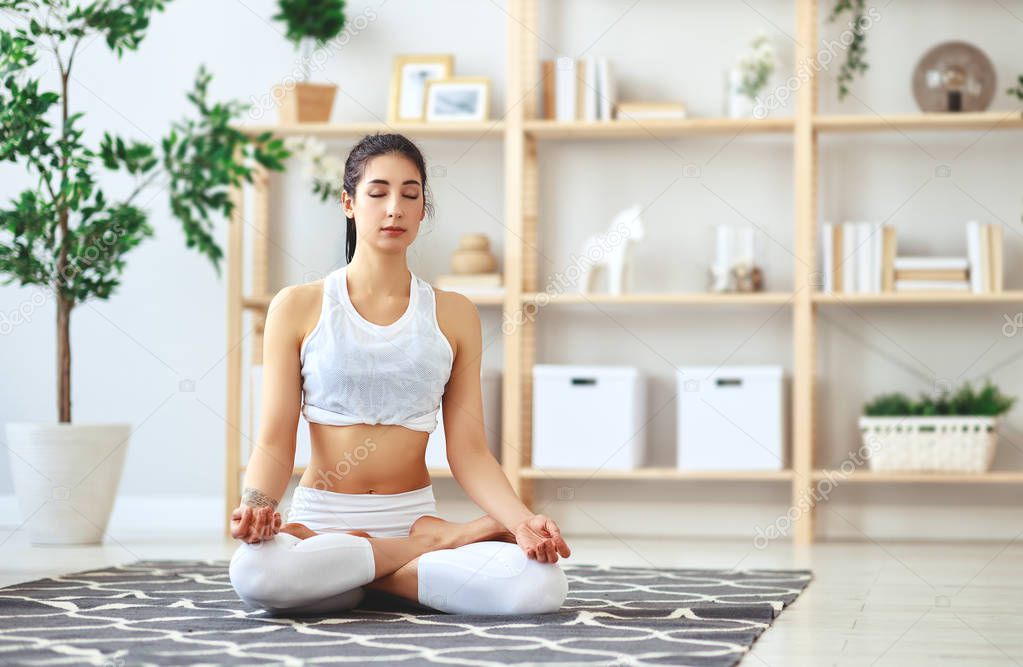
379 514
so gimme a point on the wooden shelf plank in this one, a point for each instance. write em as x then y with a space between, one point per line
639 129
543 298
436 130
894 298
978 121
658 474
861 476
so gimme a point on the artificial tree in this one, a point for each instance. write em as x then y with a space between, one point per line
63 233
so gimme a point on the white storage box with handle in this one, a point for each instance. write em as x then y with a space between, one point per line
731 417
436 446
588 417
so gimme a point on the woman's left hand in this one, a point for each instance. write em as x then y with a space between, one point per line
540 537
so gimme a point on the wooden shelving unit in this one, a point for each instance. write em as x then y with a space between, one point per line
521 132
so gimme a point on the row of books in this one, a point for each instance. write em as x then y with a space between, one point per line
860 257
584 89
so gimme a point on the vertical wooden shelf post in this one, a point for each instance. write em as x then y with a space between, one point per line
804 350
234 258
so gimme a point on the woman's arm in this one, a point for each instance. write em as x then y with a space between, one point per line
472 464
272 461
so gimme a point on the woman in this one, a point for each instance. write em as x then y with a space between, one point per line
371 349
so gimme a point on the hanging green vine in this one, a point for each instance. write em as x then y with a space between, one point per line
854 55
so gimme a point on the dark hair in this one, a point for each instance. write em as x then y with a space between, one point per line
371 146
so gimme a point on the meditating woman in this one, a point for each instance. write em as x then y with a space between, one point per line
368 352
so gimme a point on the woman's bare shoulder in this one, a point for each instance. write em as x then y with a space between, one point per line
297 307
456 314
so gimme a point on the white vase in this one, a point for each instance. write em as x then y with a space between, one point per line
737 105
66 478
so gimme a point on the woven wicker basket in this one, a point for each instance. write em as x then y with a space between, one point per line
930 444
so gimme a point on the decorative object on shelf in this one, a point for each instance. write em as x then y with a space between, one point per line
458 99
325 170
734 268
588 417
731 417
749 76
985 255
954 76
856 50
651 111
950 433
857 257
474 267
578 89
612 251
72 245
408 83
309 23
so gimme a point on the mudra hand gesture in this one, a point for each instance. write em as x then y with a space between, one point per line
540 537
254 524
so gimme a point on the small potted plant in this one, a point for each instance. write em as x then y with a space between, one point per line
953 432
65 238
309 23
749 76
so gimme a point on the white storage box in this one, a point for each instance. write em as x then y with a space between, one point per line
731 418
436 446
588 417
303 447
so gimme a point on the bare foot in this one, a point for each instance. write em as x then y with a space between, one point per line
449 535
302 532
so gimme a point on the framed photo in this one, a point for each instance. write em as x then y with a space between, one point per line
463 98
408 83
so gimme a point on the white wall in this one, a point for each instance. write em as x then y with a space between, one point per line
166 323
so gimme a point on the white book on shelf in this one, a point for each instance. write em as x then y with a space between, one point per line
932 285
827 257
608 89
849 257
564 85
973 256
862 257
911 263
591 91
877 241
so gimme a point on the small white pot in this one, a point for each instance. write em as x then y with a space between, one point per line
66 478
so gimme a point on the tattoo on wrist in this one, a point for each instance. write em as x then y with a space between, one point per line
256 498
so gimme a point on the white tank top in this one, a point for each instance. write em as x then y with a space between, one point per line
358 372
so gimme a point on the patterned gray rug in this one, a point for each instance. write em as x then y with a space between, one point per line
164 612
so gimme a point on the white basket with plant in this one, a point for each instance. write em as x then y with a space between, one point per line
948 433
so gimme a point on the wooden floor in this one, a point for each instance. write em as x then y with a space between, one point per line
869 604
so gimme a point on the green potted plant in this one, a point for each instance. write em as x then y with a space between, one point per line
950 432
68 239
308 23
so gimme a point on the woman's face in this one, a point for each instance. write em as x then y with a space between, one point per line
390 195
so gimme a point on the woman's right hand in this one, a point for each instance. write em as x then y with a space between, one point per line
254 524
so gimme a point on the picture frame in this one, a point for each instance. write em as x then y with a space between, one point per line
408 83
457 99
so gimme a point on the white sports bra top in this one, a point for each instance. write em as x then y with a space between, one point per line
358 372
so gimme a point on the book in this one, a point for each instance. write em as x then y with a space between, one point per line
997 270
651 110
849 257
974 257
932 274
888 260
608 89
549 76
864 264
836 261
932 285
985 257
938 263
827 257
564 89
591 90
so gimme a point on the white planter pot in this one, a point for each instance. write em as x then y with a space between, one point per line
737 105
66 477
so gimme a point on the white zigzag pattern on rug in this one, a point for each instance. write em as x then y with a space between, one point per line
162 612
